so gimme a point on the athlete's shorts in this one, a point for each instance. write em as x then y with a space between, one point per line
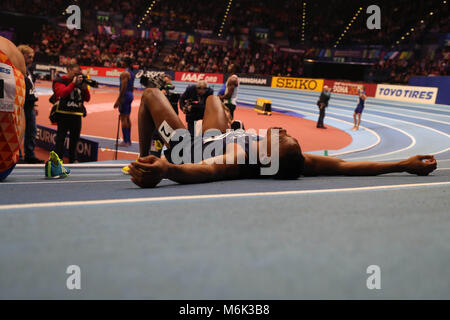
231 107
125 107
359 108
12 118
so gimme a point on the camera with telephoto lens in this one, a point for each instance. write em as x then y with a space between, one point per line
190 105
151 79
89 82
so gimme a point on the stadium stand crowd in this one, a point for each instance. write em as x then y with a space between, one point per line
244 53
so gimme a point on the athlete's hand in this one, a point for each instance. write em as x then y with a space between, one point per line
117 104
421 165
147 172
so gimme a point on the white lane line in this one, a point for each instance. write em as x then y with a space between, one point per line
373 107
211 196
354 99
412 144
77 165
402 158
104 138
62 181
121 151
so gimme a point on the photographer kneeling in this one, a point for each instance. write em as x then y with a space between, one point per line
70 92
193 101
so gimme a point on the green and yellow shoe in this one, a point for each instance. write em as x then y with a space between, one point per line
54 167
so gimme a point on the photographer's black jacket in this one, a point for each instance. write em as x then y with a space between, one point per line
70 97
198 109
30 93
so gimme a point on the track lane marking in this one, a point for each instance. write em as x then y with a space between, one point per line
62 181
210 196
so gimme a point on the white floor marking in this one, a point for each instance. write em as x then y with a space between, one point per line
65 181
210 196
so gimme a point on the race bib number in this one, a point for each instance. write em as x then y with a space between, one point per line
7 88
165 131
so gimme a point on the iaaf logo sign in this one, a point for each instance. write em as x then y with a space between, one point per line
195 77
192 77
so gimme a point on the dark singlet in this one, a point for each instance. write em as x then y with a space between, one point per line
246 140
130 85
361 100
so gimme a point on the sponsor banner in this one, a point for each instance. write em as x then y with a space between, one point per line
203 32
195 77
345 87
151 73
215 42
102 71
48 68
252 80
348 53
297 83
300 51
87 150
407 94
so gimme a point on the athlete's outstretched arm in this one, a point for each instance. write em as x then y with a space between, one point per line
147 172
319 165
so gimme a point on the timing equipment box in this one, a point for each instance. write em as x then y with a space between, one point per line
263 106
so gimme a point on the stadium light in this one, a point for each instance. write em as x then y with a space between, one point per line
412 29
303 24
227 11
347 28
147 13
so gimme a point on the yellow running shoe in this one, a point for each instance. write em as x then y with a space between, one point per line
54 167
126 170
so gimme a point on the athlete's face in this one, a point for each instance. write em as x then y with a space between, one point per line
285 141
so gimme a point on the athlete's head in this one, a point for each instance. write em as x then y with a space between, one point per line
128 62
291 160
234 80
28 53
326 88
73 70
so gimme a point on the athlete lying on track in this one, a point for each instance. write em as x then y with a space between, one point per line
156 113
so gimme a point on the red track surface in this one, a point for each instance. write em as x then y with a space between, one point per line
102 122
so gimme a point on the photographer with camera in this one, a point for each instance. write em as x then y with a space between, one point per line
173 97
193 101
70 93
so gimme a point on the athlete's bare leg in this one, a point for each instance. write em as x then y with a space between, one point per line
215 116
154 109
